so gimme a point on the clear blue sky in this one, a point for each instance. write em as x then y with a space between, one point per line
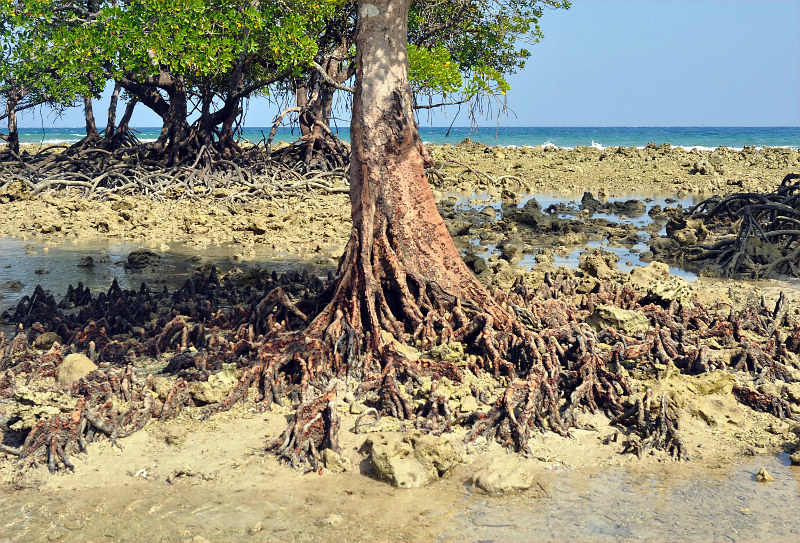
635 63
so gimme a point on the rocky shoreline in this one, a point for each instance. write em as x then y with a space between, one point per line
284 225
497 225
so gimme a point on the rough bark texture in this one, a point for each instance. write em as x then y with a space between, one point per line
13 132
111 122
91 125
398 234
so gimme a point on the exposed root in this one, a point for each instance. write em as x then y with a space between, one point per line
756 235
99 173
655 431
314 427
536 342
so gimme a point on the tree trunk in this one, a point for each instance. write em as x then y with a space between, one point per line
315 100
91 126
402 285
111 121
175 130
397 230
301 99
13 131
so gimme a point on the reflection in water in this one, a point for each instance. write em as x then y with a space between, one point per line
568 206
24 264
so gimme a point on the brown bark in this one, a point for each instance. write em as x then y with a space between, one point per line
111 122
91 126
401 282
12 142
394 212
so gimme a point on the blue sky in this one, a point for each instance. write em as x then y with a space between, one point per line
634 63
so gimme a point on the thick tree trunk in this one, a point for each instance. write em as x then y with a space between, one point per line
402 285
175 131
395 219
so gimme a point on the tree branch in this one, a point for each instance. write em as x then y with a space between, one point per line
329 80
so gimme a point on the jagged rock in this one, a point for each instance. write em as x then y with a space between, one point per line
489 213
647 275
630 208
356 408
411 460
477 263
406 350
458 227
141 259
507 278
600 264
73 367
31 405
468 404
686 231
625 320
512 251
450 352
16 190
15 285
763 476
45 341
655 281
703 167
663 245
216 388
333 461
506 474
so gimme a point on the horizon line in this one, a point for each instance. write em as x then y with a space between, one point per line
485 127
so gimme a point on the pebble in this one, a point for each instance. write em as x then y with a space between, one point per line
763 476
333 520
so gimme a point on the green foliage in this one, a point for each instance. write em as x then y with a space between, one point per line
64 50
433 69
483 38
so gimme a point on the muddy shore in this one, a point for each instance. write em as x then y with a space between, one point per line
192 470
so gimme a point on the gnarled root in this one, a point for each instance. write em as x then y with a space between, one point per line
314 427
57 438
525 405
767 403
657 432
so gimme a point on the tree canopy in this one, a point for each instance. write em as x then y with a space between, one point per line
195 63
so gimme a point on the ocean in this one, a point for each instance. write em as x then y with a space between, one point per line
701 137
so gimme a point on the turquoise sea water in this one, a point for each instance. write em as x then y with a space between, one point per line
707 137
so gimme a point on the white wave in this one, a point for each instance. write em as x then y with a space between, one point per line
599 146
54 141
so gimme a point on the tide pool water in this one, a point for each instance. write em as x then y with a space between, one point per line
701 137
